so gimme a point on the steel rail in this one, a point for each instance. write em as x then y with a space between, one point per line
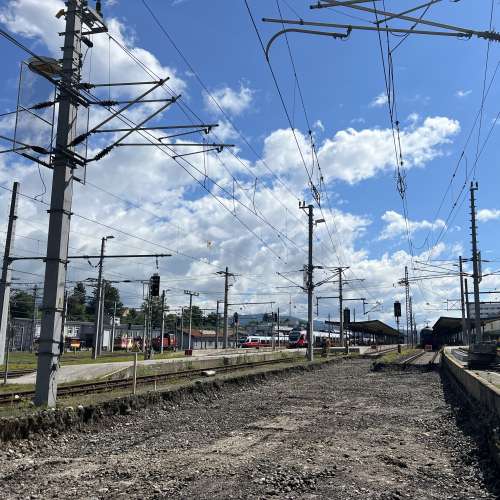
105 385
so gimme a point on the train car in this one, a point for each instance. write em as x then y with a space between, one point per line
298 338
169 342
123 343
72 344
429 338
256 341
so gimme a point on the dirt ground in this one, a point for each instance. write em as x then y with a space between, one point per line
342 432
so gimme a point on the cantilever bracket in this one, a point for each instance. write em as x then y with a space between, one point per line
307 32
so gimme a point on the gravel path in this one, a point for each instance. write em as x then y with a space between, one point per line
342 432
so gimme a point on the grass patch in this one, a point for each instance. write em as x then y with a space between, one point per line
27 360
394 357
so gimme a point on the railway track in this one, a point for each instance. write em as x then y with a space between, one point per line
16 373
421 358
12 398
377 354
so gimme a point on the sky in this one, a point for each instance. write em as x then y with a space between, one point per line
240 208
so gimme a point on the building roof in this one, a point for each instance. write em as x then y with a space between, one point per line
374 327
447 325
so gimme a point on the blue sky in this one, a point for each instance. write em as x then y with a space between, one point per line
438 83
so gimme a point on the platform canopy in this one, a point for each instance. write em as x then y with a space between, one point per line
374 327
447 325
371 327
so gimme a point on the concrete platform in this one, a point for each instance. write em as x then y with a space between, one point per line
204 359
482 386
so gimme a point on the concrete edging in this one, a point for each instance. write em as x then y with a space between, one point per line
475 386
482 397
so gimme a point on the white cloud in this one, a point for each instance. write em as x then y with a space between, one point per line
319 125
379 100
486 214
462 93
354 155
396 225
231 101
35 19
413 118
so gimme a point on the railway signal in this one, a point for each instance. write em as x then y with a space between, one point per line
155 285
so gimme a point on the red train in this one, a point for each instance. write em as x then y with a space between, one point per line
298 338
169 343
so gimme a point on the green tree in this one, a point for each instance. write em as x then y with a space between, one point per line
21 305
210 320
197 317
171 321
111 295
77 304
135 317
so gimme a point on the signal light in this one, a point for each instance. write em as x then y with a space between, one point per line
397 309
155 285
347 316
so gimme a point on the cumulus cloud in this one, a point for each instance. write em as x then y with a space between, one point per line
319 125
462 93
355 155
379 100
232 101
486 214
396 225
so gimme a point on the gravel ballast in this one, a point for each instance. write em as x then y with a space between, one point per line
339 432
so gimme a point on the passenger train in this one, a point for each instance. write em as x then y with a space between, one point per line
298 338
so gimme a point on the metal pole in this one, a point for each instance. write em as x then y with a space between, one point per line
6 274
97 320
478 337
217 326
407 303
33 320
112 348
341 312
410 331
60 210
278 326
162 324
101 314
310 287
190 319
462 301
182 327
467 307
226 292
150 321
147 323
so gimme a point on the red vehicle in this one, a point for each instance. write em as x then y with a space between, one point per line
169 343
256 341
298 338
123 343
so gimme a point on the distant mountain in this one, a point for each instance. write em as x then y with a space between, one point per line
247 319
